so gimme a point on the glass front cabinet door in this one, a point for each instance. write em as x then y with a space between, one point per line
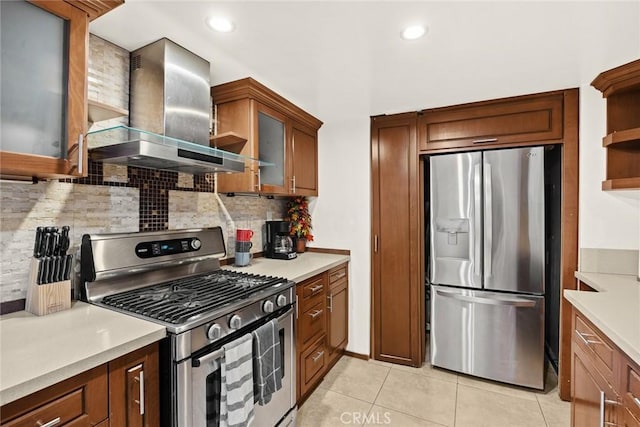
272 148
43 108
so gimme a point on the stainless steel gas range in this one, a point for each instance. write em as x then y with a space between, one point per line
174 278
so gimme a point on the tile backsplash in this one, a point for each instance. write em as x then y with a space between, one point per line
609 261
117 198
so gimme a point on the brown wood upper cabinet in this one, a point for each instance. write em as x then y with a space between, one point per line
621 87
277 132
518 120
44 108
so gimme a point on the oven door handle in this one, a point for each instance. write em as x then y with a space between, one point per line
214 357
209 358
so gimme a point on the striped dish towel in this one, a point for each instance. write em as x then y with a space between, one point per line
267 361
236 390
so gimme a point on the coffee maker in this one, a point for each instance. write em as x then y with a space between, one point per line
279 244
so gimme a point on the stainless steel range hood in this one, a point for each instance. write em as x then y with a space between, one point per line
170 108
135 147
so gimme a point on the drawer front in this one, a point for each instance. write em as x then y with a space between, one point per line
312 322
517 121
312 292
80 400
630 420
631 390
337 273
597 347
312 363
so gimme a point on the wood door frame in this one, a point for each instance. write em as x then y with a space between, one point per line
569 227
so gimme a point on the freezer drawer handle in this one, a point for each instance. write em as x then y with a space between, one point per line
515 302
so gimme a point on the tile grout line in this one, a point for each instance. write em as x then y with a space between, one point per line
375 403
455 406
544 418
411 415
375 399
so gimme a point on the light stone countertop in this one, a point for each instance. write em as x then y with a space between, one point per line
614 309
39 351
298 269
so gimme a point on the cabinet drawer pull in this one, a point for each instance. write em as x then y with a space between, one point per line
315 289
317 356
341 275
637 400
481 141
586 341
316 314
51 423
80 155
293 186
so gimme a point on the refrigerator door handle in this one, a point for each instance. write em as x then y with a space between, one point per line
488 225
493 300
477 225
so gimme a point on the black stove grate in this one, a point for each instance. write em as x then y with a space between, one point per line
177 301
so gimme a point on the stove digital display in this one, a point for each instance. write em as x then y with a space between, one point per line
167 247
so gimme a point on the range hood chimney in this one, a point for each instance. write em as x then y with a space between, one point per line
169 114
170 92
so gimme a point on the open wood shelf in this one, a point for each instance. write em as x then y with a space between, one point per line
621 184
99 111
621 136
621 87
226 138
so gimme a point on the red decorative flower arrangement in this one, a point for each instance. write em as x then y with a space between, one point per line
299 217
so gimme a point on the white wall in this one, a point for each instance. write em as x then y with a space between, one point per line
341 215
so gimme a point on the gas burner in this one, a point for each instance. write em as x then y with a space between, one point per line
182 300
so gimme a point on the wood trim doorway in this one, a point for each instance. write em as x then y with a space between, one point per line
569 237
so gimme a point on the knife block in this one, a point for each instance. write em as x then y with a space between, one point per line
48 298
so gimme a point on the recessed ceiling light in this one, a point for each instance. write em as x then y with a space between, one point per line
220 24
413 32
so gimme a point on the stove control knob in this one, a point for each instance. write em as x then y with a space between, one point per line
235 322
214 332
267 307
281 301
195 244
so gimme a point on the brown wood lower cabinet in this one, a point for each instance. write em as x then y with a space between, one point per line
134 389
605 382
322 332
102 396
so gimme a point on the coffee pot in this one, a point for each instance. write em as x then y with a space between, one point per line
278 241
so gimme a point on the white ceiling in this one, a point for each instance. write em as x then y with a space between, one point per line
340 60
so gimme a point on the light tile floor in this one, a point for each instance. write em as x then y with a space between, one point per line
369 393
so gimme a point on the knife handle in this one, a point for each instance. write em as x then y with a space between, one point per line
64 240
38 242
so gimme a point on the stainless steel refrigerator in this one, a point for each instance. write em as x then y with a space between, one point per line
487 260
